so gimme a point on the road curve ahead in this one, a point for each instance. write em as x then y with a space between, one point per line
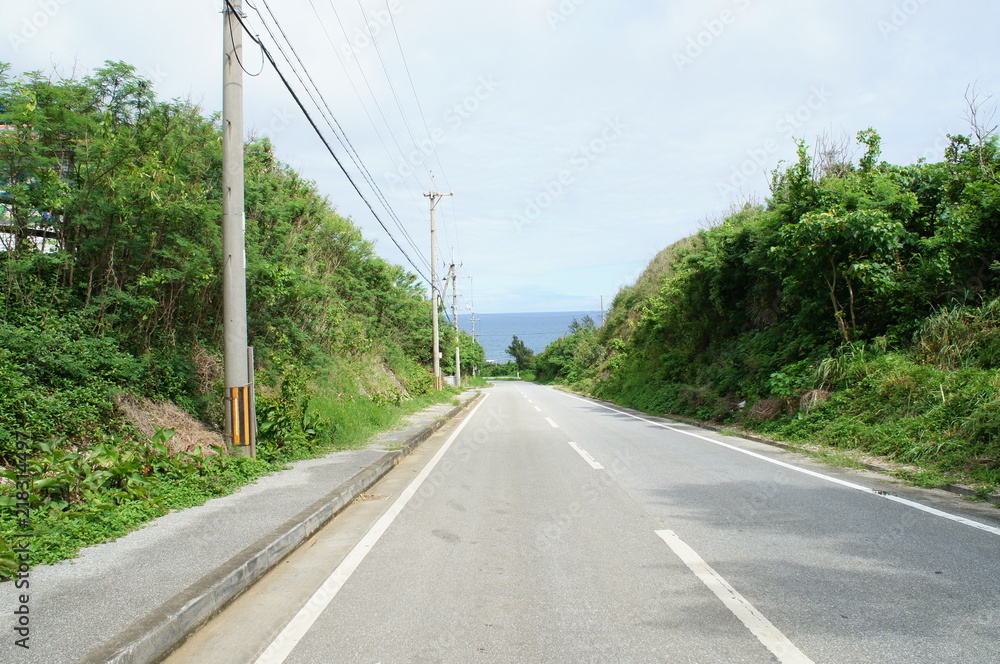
543 527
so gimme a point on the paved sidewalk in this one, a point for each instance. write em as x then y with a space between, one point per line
132 599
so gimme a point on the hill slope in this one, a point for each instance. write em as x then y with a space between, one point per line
857 308
112 308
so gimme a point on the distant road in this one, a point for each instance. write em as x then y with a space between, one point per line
555 529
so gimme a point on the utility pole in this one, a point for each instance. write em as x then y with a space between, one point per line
454 314
472 318
435 198
240 417
602 310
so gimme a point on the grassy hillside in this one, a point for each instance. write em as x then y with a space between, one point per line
111 262
857 308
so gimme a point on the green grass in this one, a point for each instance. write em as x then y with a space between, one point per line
59 534
925 477
945 422
929 426
351 422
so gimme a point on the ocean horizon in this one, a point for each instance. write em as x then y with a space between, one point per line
536 329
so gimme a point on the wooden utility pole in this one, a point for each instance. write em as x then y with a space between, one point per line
435 197
239 403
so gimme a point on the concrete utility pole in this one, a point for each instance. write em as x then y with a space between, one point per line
472 318
602 310
240 417
435 199
454 314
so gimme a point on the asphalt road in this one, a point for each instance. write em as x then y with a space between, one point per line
541 527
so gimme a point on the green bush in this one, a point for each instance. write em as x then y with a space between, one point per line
80 497
858 306
57 380
130 300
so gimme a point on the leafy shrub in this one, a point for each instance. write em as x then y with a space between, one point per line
85 496
857 307
57 379
961 336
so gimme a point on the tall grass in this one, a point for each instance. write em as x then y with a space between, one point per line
350 422
333 421
961 336
943 420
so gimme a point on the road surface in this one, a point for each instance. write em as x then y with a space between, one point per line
542 527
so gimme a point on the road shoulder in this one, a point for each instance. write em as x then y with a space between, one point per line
133 600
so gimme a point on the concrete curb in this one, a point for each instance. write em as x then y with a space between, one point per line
155 636
740 433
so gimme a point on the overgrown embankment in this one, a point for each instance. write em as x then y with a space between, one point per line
111 261
857 308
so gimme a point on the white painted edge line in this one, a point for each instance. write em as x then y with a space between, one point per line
296 629
586 456
550 421
759 626
851 485
538 409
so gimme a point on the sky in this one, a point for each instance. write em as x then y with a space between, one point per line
579 137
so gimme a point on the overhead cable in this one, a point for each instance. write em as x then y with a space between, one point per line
329 116
319 133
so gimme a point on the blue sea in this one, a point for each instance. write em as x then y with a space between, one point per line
537 330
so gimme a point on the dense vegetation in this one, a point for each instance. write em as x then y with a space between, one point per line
112 289
858 307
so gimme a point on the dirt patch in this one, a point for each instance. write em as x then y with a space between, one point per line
767 409
148 416
371 496
210 369
813 398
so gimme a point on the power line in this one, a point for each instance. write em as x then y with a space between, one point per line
423 118
392 88
371 92
364 77
416 98
371 120
328 116
408 163
239 60
319 133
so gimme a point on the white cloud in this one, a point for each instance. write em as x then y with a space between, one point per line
688 128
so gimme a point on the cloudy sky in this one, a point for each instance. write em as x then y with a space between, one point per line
579 137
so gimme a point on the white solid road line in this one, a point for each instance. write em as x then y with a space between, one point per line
759 626
549 420
586 456
851 485
278 651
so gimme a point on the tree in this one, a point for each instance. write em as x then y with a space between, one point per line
844 250
556 362
586 323
128 189
38 120
523 356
